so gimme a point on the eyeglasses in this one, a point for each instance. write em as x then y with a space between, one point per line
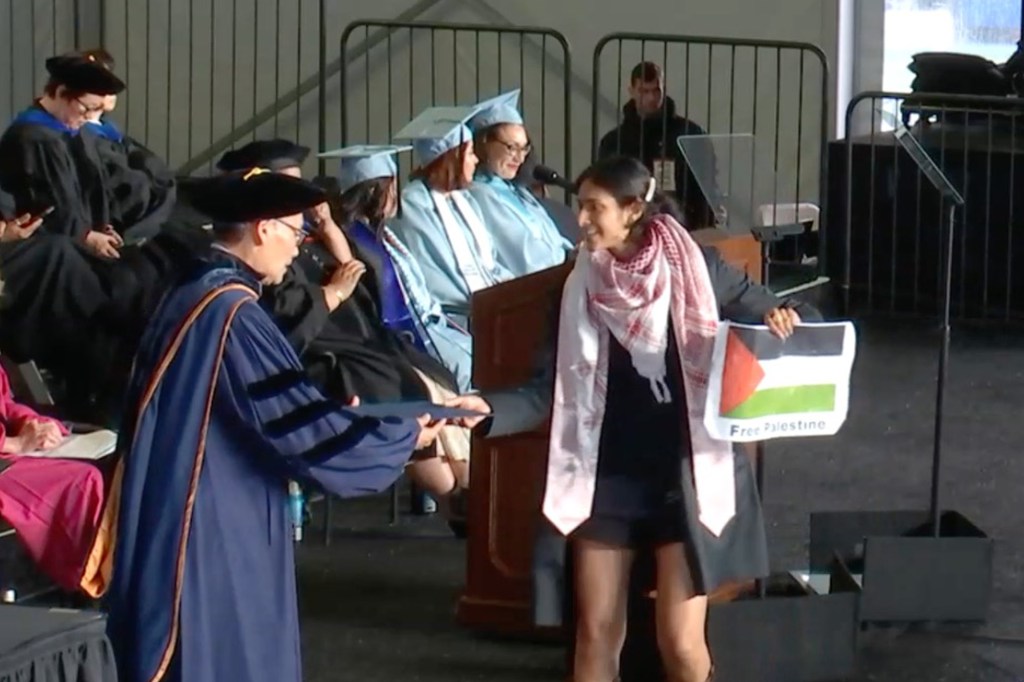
86 109
300 234
514 149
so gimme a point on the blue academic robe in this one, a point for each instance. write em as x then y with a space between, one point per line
420 228
526 239
222 416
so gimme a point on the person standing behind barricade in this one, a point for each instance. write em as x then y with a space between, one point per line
631 467
526 239
441 224
649 132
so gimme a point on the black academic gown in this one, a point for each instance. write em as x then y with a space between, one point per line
63 306
349 351
52 297
81 316
53 288
141 188
741 551
43 166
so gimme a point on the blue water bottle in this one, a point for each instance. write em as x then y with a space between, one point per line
296 504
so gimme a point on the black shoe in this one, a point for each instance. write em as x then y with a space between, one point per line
459 528
457 513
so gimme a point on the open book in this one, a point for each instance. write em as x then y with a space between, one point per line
95 445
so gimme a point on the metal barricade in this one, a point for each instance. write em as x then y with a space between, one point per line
777 91
398 68
205 77
30 32
886 245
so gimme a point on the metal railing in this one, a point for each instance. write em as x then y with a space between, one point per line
774 90
204 76
403 67
55 26
888 218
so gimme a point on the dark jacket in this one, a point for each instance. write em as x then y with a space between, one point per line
656 137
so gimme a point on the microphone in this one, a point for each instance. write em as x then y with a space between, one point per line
547 176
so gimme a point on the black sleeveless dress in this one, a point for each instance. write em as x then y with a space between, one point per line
644 444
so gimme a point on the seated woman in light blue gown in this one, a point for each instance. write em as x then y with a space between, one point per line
525 237
368 174
440 223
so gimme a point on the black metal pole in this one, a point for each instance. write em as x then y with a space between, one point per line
1020 41
761 448
940 393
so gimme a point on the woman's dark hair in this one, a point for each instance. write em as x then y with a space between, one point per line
444 173
52 84
628 181
367 200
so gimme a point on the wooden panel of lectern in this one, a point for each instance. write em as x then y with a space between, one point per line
510 323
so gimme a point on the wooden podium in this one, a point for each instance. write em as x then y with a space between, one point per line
510 323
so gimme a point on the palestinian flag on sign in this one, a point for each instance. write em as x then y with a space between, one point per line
765 376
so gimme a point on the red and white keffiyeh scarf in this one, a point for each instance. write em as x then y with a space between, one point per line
666 282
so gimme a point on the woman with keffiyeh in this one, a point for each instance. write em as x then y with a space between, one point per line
631 467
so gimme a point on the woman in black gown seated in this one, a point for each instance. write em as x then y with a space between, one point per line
338 317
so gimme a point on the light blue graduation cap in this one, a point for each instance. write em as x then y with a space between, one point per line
363 162
501 109
436 131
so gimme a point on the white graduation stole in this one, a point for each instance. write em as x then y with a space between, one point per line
468 264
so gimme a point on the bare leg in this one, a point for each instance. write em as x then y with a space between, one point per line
460 468
602 580
432 475
680 616
441 478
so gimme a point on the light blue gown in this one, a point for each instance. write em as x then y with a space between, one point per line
420 229
525 238
450 344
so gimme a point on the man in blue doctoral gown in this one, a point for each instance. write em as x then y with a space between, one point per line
220 417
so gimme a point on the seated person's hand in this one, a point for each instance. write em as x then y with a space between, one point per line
19 228
35 435
344 280
781 321
321 217
428 431
104 243
469 402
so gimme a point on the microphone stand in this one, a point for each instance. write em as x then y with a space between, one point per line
940 394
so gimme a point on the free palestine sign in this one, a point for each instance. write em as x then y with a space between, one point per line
764 387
